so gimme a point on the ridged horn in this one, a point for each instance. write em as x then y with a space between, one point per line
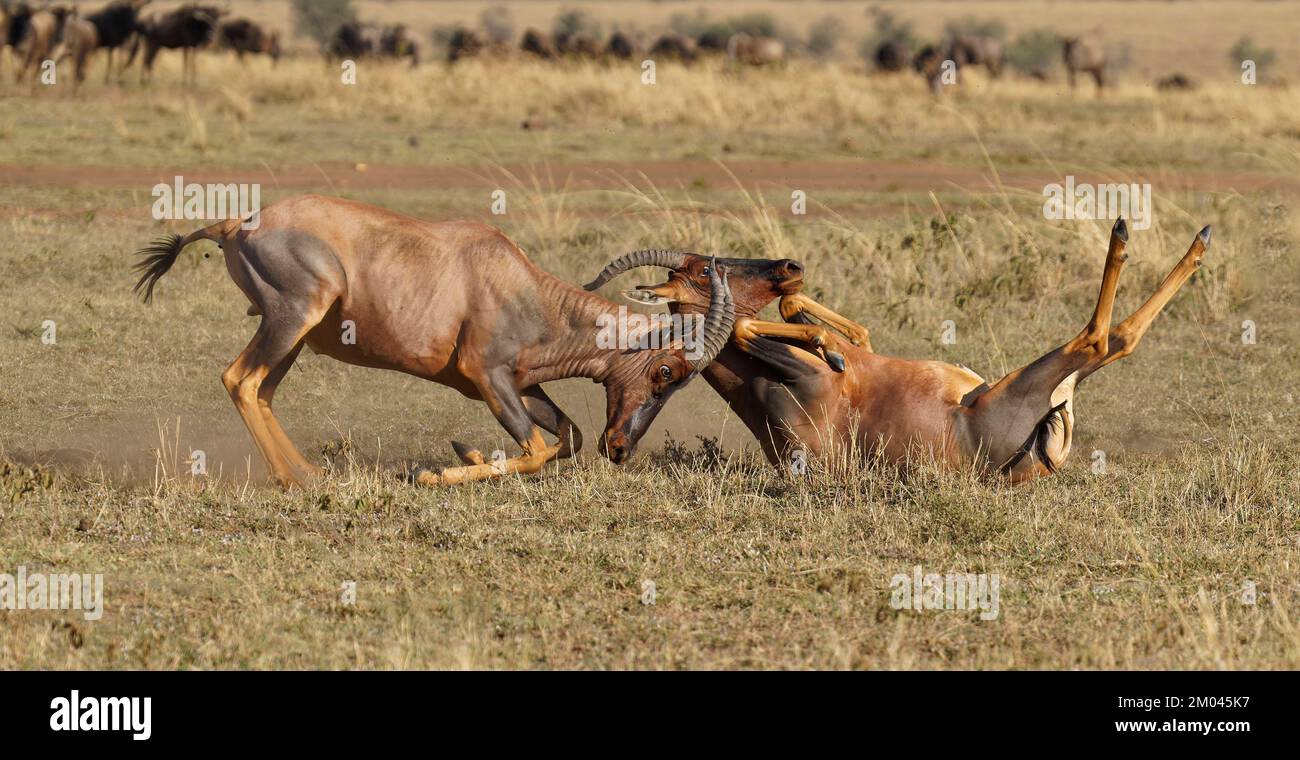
646 257
720 319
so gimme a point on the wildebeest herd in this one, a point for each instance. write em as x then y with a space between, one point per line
56 32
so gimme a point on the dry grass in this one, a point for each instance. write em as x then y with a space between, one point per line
1141 566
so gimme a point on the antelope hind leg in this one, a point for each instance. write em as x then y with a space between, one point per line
1127 334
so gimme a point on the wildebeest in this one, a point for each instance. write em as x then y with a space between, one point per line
352 40
539 44
750 50
675 47
891 56
1085 56
465 43
577 45
1176 81
621 46
244 37
396 42
187 28
34 34
713 40
113 26
979 50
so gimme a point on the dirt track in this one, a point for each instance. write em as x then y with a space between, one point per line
847 175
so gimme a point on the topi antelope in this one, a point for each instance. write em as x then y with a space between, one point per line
1020 427
1085 56
455 302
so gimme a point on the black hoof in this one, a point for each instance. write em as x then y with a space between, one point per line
836 360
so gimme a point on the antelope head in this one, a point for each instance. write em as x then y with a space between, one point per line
754 283
642 380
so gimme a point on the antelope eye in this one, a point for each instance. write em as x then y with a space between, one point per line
665 372
705 272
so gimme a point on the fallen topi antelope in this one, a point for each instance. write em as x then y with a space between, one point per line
1021 427
453 302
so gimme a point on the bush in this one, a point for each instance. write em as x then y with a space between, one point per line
887 28
970 26
1036 52
498 23
824 36
319 19
1245 49
575 22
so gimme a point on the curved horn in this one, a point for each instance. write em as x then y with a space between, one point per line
719 320
646 257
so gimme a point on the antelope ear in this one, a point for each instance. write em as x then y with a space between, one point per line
647 297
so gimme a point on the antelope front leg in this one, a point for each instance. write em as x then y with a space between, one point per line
507 405
749 332
800 304
536 453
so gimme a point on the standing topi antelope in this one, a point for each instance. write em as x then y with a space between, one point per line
1020 427
455 302
1084 56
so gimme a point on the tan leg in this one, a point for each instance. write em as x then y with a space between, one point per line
1127 334
799 303
536 454
243 380
303 468
1096 333
748 332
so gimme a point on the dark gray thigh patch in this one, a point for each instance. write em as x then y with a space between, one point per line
290 265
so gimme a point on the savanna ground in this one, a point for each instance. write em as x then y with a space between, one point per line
920 211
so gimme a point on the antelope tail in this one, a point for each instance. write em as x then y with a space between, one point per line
157 257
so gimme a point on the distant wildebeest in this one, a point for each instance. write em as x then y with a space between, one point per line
713 40
396 42
577 45
1087 57
1176 81
621 46
34 35
539 44
745 48
933 62
352 40
187 28
14 22
675 47
246 37
110 28
891 56
979 50
465 43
